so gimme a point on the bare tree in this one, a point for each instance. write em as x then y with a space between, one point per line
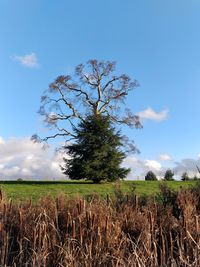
93 89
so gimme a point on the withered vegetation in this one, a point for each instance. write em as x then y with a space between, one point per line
122 231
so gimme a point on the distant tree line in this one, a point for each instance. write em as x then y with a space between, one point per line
169 176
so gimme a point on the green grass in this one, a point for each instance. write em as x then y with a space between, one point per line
20 191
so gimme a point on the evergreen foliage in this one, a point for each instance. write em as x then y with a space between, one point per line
169 175
150 176
95 154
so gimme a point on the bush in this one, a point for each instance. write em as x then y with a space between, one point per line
169 175
150 176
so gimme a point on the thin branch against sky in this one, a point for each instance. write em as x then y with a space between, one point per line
155 42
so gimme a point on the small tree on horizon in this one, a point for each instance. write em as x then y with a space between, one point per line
169 175
150 176
185 177
195 178
95 154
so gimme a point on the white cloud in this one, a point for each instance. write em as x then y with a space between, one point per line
153 165
21 158
165 157
150 114
29 60
187 165
1 141
140 167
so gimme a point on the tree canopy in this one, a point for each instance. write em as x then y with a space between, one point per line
169 175
150 176
93 89
85 108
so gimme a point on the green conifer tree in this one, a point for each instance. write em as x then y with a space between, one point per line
95 154
150 176
169 175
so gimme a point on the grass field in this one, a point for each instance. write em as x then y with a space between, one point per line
19 191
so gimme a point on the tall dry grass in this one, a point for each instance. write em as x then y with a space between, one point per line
122 231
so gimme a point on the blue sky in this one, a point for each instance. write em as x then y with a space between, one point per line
156 42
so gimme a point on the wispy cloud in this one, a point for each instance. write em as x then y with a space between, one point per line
29 60
150 114
165 157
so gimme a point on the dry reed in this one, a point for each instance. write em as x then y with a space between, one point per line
120 231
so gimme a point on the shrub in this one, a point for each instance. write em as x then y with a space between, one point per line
150 176
168 175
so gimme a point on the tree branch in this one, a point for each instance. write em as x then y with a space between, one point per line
109 82
81 92
91 91
56 135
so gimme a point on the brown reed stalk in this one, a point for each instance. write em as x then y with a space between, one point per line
129 232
